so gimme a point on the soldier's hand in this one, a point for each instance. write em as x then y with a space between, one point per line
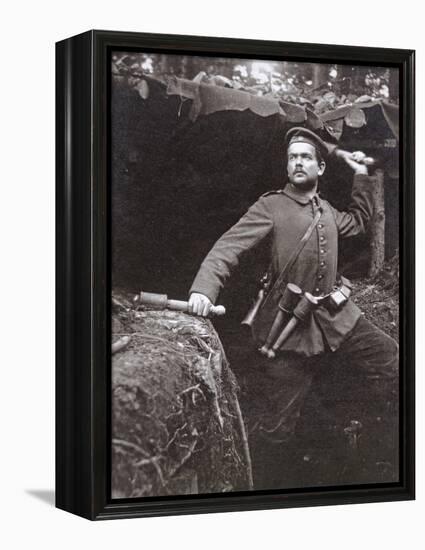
354 160
199 304
358 156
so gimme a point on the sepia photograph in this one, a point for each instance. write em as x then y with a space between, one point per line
254 245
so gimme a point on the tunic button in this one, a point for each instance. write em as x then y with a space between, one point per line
320 225
322 238
320 277
317 290
322 264
322 251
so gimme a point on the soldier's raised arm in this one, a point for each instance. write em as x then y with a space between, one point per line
354 220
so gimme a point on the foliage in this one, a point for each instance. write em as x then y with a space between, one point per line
320 87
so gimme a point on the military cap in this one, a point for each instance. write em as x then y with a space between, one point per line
303 135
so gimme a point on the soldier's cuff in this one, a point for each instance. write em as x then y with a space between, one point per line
206 292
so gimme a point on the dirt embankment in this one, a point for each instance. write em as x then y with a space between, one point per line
378 298
176 422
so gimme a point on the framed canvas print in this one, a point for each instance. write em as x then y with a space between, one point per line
235 275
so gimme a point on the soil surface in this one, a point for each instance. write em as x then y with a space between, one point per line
378 298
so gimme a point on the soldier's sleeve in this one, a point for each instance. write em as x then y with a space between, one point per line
224 257
355 219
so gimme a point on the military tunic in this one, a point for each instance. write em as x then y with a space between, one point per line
285 216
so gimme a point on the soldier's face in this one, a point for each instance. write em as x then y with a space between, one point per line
303 165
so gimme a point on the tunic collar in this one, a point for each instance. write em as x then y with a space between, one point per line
294 194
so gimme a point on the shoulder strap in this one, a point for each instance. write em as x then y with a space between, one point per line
296 252
272 192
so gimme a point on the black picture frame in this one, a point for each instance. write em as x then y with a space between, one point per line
83 275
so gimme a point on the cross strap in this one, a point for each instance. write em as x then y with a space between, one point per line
296 252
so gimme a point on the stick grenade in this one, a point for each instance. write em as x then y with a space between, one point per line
248 320
250 316
290 297
301 313
368 161
161 301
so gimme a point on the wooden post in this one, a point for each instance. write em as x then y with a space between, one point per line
320 74
377 242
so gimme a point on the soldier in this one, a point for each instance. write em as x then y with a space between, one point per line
286 216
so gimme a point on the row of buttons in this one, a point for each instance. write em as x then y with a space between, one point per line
322 263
